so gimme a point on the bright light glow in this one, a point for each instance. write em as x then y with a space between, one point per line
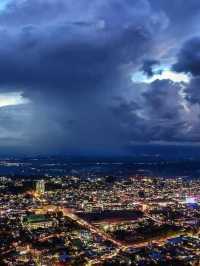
173 76
190 200
162 73
12 98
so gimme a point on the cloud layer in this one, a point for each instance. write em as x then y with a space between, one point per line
74 62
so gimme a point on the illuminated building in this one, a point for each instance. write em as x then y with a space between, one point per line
40 187
37 221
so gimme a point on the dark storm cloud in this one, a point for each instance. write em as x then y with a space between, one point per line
183 17
13 119
189 57
74 61
164 118
193 91
188 61
148 65
165 111
68 61
80 46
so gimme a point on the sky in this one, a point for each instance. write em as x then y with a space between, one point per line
98 77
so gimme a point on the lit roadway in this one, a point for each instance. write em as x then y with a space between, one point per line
89 226
119 245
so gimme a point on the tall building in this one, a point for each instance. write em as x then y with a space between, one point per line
40 187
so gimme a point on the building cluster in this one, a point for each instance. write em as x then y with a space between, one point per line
71 220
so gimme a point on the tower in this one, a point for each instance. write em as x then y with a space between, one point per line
40 187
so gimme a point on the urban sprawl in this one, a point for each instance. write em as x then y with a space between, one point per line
134 220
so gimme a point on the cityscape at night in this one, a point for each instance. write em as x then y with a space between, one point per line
94 217
99 132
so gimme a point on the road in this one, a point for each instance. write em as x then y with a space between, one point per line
119 246
89 226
